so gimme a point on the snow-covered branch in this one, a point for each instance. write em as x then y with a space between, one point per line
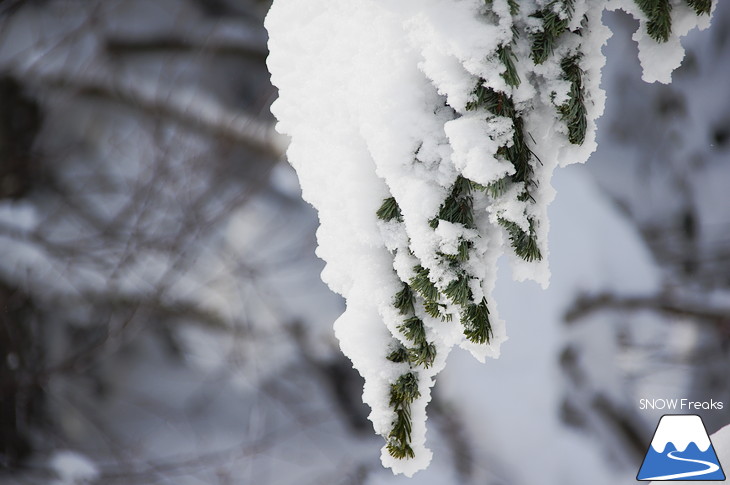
444 122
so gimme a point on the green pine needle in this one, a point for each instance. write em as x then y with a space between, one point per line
573 112
422 285
400 435
494 101
659 25
389 210
458 206
399 354
400 449
423 355
413 330
402 393
404 390
701 7
462 187
458 211
498 188
507 57
518 153
403 300
477 187
463 254
475 319
433 308
523 243
553 26
458 291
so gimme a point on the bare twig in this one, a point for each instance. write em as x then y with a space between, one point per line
189 109
253 48
587 304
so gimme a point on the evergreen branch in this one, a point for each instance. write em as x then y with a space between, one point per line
498 188
462 187
517 153
399 354
573 112
458 210
507 57
493 101
424 352
421 284
514 7
423 355
523 243
462 252
402 393
399 438
458 291
458 206
659 24
475 320
403 300
701 7
413 330
389 210
555 19
433 308
404 390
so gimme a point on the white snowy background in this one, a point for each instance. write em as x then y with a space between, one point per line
164 318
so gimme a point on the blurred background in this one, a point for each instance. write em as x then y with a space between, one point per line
162 320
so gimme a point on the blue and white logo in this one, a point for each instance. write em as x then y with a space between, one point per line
681 450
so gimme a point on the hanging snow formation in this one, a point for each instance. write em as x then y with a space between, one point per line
426 132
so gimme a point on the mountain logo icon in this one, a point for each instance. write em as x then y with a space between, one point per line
681 450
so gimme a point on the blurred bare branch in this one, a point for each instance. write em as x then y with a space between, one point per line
189 109
585 305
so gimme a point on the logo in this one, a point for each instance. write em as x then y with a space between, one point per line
681 449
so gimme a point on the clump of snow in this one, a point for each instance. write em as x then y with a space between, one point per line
375 96
659 60
73 468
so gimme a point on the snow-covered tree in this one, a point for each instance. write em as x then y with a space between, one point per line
426 135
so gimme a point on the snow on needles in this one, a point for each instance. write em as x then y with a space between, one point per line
426 132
